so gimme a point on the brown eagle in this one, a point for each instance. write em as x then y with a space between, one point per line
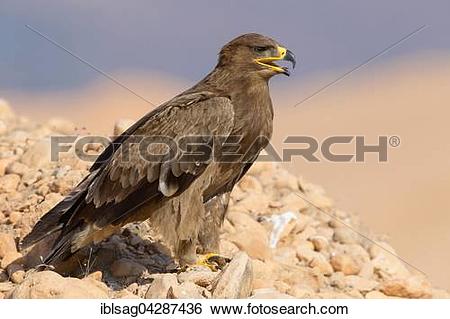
183 191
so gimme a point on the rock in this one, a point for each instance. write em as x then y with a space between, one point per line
38 155
386 265
7 244
4 163
51 199
250 236
235 281
126 268
10 258
188 290
161 286
375 295
50 285
227 248
360 284
201 277
345 264
250 184
96 275
125 294
293 202
122 125
17 168
9 183
320 200
345 235
320 262
263 273
269 293
6 286
295 275
18 276
15 217
320 243
253 203
413 287
299 291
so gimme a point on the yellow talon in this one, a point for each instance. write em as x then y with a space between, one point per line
213 261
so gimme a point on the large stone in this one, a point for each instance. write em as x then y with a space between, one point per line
413 287
236 280
50 285
386 263
250 236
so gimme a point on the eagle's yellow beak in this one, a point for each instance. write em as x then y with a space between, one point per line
282 54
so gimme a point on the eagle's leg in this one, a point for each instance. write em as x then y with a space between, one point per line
186 252
208 237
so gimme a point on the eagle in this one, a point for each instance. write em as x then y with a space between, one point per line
177 165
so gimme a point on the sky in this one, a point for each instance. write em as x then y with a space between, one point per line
182 38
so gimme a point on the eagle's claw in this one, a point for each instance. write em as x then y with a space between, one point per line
213 261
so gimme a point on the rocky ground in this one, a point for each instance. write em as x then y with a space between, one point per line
284 236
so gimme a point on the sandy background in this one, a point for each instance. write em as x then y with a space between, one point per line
405 198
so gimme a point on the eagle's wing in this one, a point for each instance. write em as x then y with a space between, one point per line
129 170
123 179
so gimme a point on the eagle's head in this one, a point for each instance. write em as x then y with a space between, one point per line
256 53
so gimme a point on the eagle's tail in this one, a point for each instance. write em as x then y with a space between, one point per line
58 216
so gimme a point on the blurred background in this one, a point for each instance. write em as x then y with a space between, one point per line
158 48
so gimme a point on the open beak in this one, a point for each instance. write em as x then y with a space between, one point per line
282 54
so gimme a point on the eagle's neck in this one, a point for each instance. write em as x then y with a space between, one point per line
251 101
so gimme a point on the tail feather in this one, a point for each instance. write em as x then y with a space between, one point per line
55 219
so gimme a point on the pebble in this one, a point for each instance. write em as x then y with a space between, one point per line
345 235
345 264
7 244
320 243
9 183
17 168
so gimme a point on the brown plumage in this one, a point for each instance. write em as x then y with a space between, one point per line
185 199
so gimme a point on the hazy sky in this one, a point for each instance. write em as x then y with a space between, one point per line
182 38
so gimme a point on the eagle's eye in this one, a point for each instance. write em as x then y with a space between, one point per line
259 49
